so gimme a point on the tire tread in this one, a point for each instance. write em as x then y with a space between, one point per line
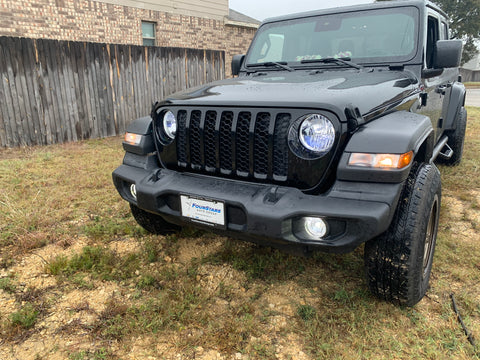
391 260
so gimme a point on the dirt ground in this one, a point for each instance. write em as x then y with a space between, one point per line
64 330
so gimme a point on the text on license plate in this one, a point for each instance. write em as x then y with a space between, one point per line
209 211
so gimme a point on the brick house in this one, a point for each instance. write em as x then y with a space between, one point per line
199 24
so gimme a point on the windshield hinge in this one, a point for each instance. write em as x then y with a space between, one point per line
354 118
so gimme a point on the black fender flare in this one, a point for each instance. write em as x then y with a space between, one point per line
141 126
455 103
395 133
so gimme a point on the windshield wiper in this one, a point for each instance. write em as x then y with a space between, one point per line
282 65
343 60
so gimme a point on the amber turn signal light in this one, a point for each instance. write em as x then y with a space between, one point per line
133 139
381 161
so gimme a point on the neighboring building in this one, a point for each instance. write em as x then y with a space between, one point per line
473 64
200 24
471 70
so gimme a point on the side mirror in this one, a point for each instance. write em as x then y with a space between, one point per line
237 64
448 54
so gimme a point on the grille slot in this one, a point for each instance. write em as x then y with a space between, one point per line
242 143
226 142
210 141
280 156
182 137
195 140
248 143
261 144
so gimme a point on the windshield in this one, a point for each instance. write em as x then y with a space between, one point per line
373 36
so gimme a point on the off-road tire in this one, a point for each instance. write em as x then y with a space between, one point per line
398 263
153 223
456 139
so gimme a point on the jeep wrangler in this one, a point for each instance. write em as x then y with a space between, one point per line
327 139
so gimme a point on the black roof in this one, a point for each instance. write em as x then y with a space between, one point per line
376 5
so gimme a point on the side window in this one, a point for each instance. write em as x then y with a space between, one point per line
432 37
445 35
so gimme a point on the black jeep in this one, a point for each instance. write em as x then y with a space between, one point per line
326 140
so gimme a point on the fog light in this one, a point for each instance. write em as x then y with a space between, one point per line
315 227
133 191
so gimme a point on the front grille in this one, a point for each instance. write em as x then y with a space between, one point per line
239 143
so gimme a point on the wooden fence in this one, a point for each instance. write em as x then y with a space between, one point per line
59 91
470 75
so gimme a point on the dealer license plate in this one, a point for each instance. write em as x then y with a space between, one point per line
205 211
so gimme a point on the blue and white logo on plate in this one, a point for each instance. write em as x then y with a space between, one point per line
212 212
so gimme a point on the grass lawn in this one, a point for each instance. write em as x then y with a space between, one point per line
80 280
472 85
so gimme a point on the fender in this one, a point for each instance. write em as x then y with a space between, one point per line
395 133
453 105
141 126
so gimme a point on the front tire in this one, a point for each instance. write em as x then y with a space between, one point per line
153 223
398 263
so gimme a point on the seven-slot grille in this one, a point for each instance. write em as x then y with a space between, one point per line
234 142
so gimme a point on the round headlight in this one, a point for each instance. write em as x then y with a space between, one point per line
170 124
317 133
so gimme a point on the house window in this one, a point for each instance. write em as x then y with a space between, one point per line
148 33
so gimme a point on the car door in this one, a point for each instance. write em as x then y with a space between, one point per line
436 88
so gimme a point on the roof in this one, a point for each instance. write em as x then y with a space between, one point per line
473 64
375 5
236 18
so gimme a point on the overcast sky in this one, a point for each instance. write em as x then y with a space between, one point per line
262 9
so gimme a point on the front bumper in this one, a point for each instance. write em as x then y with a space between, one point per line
264 213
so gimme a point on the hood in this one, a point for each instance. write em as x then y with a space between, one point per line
370 90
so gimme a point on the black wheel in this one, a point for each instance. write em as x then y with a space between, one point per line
398 262
456 139
153 223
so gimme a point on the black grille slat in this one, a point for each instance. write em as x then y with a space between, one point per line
280 146
182 138
195 139
261 145
210 140
242 143
225 134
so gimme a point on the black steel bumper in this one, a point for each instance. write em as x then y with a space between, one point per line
264 213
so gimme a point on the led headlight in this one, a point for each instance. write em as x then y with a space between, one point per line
317 133
170 124
315 227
